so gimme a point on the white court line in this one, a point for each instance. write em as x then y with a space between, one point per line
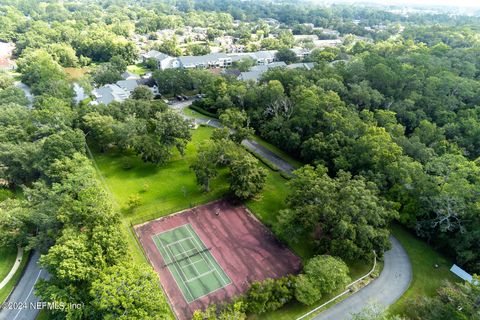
38 276
180 271
196 270
178 254
177 242
201 275
208 262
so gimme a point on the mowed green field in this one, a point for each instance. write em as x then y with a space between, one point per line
7 259
172 187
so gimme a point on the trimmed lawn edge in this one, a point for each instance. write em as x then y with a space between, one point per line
7 290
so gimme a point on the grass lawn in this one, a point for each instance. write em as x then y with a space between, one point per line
76 73
194 114
138 68
426 278
5 291
172 187
7 259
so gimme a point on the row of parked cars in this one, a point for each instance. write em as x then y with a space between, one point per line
181 97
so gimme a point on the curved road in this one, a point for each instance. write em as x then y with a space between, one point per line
385 290
395 277
393 281
23 299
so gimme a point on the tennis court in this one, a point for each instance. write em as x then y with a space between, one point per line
190 262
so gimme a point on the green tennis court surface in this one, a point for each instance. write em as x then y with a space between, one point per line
193 267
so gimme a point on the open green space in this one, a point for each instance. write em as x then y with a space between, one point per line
427 278
162 189
5 291
172 187
195 114
138 69
7 259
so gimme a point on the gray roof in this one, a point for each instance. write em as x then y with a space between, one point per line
109 93
256 72
265 54
461 273
128 75
157 55
127 85
308 66
250 75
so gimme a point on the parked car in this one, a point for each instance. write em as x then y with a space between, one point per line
179 98
184 97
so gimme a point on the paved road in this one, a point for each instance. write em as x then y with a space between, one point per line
249 144
385 290
23 294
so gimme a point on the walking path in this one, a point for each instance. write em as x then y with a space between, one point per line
14 269
251 145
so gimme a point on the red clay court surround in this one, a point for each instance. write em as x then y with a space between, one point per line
245 249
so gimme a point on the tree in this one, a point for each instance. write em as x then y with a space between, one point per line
269 295
172 81
6 80
238 121
452 301
64 54
286 55
198 50
322 275
142 93
136 293
170 47
106 73
244 64
44 75
345 216
247 178
306 291
205 166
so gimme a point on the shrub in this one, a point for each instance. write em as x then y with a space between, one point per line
269 295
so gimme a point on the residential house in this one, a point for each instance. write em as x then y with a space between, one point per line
129 76
301 53
256 72
164 61
212 60
108 94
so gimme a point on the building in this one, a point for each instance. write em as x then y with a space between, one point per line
257 71
212 60
163 60
301 53
129 76
108 94
308 66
